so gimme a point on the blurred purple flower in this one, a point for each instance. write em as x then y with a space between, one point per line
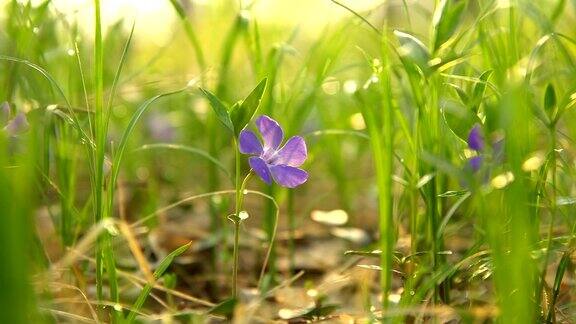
476 143
160 127
475 163
269 161
16 125
475 139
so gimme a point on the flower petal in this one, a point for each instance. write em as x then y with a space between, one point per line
160 127
261 169
271 132
288 176
475 140
17 125
249 143
293 153
475 163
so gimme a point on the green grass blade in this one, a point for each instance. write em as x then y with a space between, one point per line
189 149
162 267
190 34
128 131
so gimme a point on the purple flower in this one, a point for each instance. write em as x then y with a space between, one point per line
269 161
17 125
160 127
476 143
14 126
475 139
475 163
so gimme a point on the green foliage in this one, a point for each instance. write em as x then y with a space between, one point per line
242 113
239 115
225 308
550 104
414 53
220 110
445 21
385 98
162 267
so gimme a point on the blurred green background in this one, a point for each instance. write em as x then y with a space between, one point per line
385 94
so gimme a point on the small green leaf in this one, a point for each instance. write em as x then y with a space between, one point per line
550 102
162 267
412 49
220 109
234 111
446 19
461 93
170 280
549 98
225 308
241 113
479 89
459 119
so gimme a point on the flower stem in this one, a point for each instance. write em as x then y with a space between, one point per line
235 254
240 186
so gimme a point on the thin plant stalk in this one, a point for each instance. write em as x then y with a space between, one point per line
381 142
99 134
191 35
552 219
214 138
104 251
240 186
385 163
436 186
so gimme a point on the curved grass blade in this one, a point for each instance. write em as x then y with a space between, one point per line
59 89
328 132
368 23
118 72
127 132
189 149
413 50
190 34
164 264
225 308
84 88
